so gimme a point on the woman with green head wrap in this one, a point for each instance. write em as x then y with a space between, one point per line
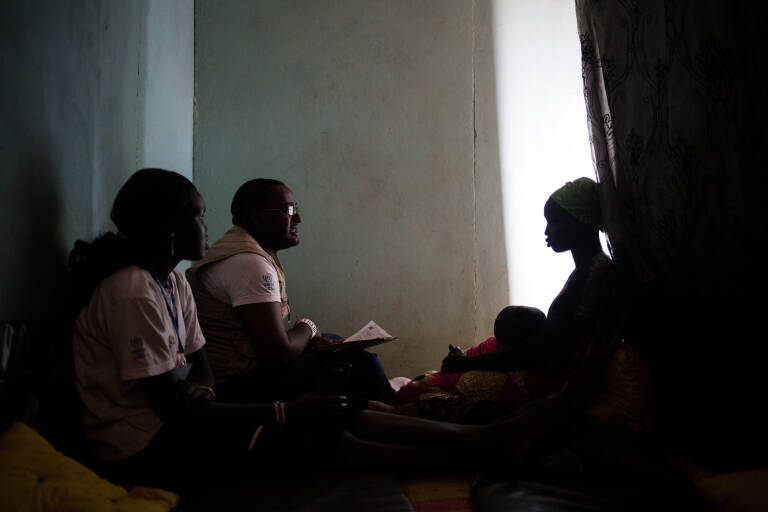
531 355
574 219
580 199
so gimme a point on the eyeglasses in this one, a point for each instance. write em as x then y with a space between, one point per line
290 209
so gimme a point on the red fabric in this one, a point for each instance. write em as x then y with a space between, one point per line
489 345
443 397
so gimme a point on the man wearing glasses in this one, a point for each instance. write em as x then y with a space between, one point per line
242 303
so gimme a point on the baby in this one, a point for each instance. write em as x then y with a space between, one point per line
513 324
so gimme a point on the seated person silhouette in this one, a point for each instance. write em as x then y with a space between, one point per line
574 218
240 289
531 355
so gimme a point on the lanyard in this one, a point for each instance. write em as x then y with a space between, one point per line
174 317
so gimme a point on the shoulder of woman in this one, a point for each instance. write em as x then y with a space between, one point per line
128 283
181 282
178 276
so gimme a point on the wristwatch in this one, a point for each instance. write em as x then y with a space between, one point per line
309 323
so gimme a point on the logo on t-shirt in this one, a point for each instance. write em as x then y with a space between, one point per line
268 282
137 348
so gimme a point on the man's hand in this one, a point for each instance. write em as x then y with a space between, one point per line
323 341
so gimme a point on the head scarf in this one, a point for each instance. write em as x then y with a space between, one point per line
581 199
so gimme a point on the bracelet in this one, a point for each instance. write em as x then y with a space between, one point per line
309 323
280 412
208 389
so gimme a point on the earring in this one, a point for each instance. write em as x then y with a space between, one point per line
172 243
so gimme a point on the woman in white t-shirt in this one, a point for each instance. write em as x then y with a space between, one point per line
140 363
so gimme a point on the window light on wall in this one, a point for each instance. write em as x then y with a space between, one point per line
543 140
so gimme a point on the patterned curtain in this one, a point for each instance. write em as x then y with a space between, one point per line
675 93
670 87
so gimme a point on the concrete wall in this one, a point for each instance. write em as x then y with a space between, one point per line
89 92
381 118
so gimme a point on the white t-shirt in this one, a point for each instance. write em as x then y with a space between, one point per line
123 334
244 278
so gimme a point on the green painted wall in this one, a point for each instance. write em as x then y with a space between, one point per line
381 118
89 92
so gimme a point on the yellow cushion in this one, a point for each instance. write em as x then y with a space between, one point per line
34 477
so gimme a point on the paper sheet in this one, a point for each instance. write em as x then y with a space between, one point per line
370 331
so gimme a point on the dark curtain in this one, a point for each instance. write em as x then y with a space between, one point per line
676 97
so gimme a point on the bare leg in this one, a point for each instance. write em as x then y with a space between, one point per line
407 430
531 432
533 429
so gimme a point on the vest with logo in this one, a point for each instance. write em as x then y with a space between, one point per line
229 348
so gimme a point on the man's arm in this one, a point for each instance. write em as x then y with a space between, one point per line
263 322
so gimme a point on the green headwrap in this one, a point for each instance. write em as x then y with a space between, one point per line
581 199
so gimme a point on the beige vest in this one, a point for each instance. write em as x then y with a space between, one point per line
230 350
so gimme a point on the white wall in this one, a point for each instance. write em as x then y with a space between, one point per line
368 111
542 134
